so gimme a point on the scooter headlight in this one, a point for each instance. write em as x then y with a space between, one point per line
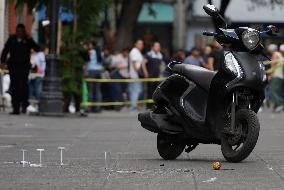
232 65
251 38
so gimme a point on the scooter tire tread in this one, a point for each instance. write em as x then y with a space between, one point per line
251 140
169 153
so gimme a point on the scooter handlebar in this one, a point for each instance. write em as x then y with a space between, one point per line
205 33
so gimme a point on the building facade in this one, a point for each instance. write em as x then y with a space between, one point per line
249 13
10 17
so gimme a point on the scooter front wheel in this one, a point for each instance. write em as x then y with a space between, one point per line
168 147
237 147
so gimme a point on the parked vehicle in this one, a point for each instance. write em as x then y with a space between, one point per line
195 105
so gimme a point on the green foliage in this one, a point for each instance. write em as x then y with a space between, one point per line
87 16
88 13
71 69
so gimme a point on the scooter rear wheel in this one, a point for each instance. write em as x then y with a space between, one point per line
168 147
238 147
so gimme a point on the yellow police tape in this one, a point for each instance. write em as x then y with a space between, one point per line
147 101
124 80
86 104
4 71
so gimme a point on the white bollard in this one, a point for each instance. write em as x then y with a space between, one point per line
40 152
61 148
23 161
107 160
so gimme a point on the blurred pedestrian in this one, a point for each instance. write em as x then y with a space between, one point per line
119 66
207 50
94 71
154 61
179 55
106 57
135 69
106 88
277 78
19 47
38 68
216 58
73 59
281 49
195 58
166 60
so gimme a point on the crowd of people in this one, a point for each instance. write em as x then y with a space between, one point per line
129 63
135 63
125 64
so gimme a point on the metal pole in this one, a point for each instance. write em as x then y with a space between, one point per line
51 101
53 26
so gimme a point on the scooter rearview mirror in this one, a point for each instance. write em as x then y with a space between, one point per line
273 29
211 10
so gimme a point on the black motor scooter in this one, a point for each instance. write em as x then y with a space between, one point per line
195 105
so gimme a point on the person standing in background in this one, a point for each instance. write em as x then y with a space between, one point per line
195 58
106 58
19 48
119 65
276 83
94 70
72 69
135 66
216 58
38 67
205 55
179 56
153 64
281 49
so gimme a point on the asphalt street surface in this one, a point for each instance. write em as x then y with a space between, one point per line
111 151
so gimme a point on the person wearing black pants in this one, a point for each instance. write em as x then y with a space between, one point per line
154 60
19 47
19 87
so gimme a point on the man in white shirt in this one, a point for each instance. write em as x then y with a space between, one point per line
38 65
135 65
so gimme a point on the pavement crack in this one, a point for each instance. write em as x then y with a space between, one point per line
193 175
115 166
110 171
270 168
194 180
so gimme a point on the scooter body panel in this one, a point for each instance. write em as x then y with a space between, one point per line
187 107
252 73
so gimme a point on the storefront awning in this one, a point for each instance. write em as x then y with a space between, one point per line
156 13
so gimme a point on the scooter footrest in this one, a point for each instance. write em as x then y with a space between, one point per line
147 122
158 123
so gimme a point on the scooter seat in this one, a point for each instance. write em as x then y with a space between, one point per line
199 75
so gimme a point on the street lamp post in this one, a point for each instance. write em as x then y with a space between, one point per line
51 101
